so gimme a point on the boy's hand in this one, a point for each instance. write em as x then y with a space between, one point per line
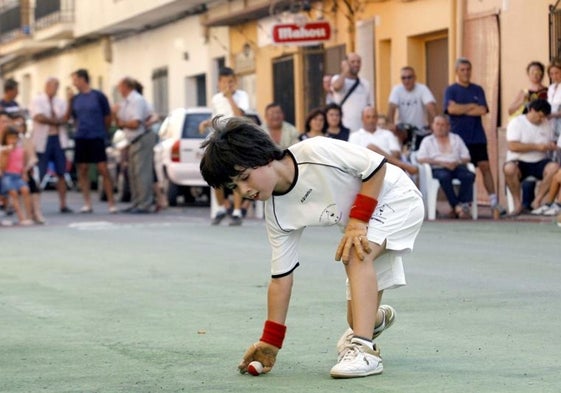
354 237
264 353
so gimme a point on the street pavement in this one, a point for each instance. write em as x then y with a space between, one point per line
168 303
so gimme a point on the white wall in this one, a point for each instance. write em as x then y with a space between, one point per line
181 47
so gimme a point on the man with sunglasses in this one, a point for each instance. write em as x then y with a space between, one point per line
413 102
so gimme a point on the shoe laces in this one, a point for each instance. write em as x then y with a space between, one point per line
351 351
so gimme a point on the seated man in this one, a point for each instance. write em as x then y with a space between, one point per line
447 154
530 139
381 141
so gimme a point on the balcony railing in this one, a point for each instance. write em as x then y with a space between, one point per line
51 12
19 19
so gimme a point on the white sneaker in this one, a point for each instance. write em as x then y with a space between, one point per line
389 318
540 210
358 361
552 210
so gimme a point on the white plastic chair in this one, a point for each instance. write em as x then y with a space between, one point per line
429 188
510 199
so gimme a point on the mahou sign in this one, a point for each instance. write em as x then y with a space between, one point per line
291 33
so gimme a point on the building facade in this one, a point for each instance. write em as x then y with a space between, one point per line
175 47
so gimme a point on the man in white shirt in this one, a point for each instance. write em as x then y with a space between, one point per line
131 117
448 155
228 102
530 139
50 136
413 102
381 141
352 93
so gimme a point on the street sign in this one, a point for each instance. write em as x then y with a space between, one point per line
303 34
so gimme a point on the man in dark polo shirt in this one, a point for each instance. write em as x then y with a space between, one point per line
92 116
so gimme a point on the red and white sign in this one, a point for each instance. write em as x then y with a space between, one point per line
292 33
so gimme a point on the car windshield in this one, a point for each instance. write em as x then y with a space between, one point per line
191 126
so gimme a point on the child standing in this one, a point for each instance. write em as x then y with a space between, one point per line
322 182
12 165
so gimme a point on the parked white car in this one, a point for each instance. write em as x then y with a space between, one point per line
178 154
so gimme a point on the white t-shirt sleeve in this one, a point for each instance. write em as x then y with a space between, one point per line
242 100
39 107
426 95
514 130
394 96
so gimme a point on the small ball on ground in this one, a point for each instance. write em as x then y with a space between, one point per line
255 368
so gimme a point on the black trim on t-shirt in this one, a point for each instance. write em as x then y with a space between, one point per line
375 170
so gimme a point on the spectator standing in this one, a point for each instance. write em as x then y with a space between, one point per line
50 136
335 127
554 96
448 155
92 115
30 162
530 138
131 116
228 102
412 101
465 103
14 178
352 93
8 102
536 90
327 89
281 132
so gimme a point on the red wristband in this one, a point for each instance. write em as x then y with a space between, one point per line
363 208
273 333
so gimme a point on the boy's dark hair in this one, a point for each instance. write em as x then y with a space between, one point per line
235 145
226 71
539 105
10 130
10 84
82 73
313 113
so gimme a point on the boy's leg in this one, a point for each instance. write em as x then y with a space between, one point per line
25 195
360 358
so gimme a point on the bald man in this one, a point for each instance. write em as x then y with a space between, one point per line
50 136
352 93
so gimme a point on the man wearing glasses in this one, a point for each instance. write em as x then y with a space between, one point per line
413 101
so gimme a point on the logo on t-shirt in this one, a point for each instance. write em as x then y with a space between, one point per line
306 195
330 215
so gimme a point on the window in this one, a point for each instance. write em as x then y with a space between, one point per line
160 90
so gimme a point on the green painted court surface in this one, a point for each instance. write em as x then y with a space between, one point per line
171 306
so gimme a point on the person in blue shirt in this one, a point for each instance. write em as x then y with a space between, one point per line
465 103
92 116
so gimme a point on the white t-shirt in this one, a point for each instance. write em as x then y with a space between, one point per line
221 105
329 175
430 149
520 129
381 138
360 98
411 105
41 106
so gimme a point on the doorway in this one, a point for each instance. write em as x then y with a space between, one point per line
437 68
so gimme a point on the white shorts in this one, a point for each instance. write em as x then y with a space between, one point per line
389 272
397 222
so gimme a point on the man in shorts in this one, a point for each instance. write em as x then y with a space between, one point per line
530 139
465 103
322 182
92 116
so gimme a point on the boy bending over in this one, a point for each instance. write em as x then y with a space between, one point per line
326 182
